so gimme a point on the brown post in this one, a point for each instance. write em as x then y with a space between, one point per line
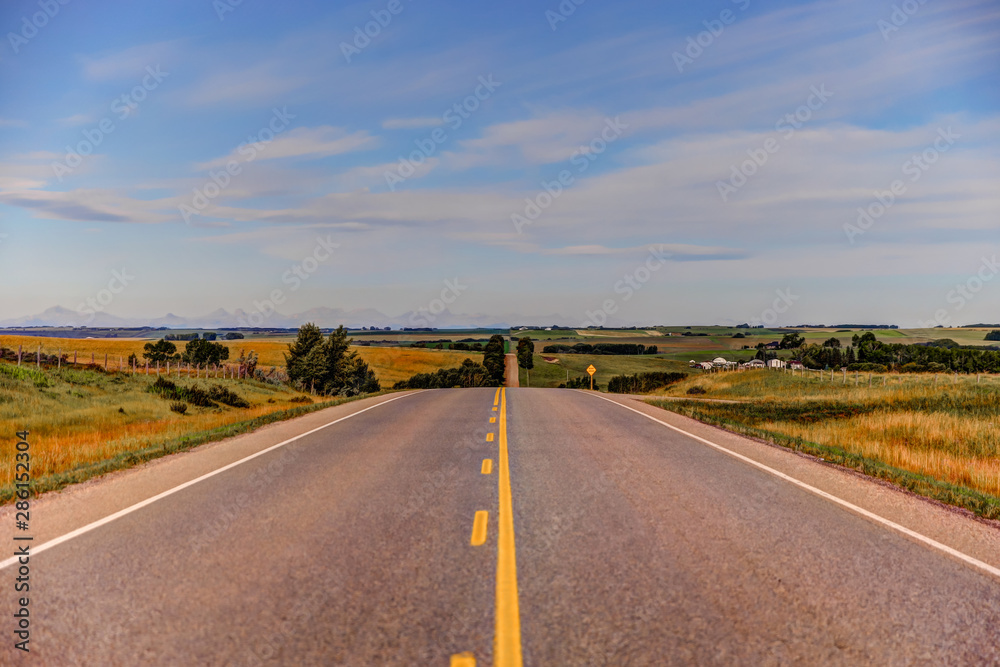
18 355
105 361
74 357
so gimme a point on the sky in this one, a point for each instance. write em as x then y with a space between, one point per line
711 162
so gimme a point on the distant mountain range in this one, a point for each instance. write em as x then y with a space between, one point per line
324 317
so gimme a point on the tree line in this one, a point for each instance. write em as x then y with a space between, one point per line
868 353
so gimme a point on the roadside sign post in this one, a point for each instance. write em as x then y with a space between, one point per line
591 370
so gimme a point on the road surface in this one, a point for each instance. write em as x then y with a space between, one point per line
632 544
511 371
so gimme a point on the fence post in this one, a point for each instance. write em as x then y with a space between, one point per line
74 357
18 355
38 357
59 360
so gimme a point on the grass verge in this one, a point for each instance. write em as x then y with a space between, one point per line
127 459
982 504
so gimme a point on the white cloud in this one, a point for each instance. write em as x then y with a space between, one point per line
303 142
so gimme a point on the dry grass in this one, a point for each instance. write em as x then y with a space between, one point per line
941 427
77 418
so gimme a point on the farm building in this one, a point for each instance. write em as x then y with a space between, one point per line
754 363
776 363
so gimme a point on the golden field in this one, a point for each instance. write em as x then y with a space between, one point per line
390 364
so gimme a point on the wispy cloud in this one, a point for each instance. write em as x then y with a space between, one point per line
303 142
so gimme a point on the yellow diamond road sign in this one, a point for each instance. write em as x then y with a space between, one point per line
591 369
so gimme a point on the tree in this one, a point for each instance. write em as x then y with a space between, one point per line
328 366
493 359
832 342
303 361
159 351
204 352
993 335
790 341
525 352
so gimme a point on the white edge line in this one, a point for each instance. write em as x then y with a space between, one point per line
169 492
986 567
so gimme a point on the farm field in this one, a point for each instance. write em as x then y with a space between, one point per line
937 435
546 374
389 363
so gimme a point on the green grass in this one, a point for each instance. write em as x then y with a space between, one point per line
545 374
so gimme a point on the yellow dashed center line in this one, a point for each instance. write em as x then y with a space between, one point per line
462 660
479 528
489 437
493 420
507 633
487 466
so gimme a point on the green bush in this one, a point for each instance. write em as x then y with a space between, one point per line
643 382
582 382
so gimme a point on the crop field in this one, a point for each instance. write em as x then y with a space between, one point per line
390 364
937 435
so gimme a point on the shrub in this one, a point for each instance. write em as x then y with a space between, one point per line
469 374
179 407
301 399
227 397
643 382
582 382
697 390
866 367
163 386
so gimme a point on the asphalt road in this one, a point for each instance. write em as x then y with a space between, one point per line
634 545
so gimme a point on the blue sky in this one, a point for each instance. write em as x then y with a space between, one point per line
430 152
